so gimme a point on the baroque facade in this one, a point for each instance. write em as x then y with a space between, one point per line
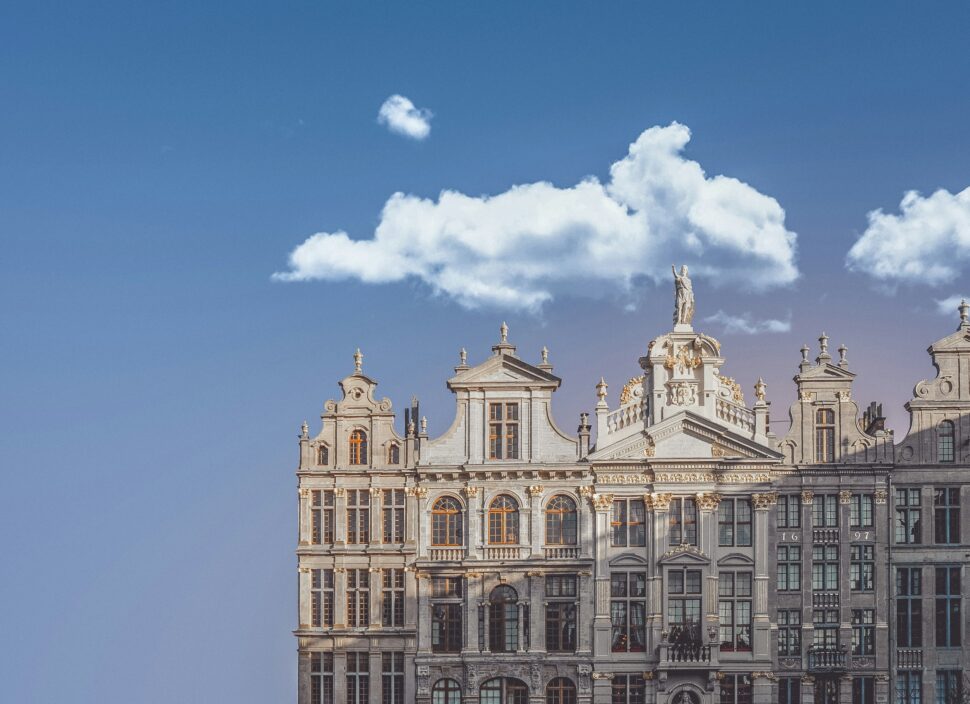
674 550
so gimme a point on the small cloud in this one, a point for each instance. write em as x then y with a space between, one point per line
949 306
399 115
745 324
928 242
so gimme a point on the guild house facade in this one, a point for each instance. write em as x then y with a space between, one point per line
673 550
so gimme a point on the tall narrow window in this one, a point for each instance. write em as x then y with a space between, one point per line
789 511
321 678
628 606
628 689
862 568
825 567
358 447
503 521
322 517
561 521
946 515
393 597
863 631
358 677
561 596
734 522
825 511
909 607
948 611
392 678
825 633
944 441
393 515
446 691
503 431
683 521
446 606
908 516
561 691
824 435
628 523
909 688
734 609
503 620
684 607
321 598
358 516
446 523
790 632
860 511
358 598
949 687
789 568
736 689
826 691
789 690
323 455
863 690
394 453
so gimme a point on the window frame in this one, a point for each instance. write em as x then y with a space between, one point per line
862 567
447 522
393 525
686 531
357 447
946 442
731 527
503 520
946 515
393 603
909 515
789 568
625 531
734 604
503 430
824 436
561 515
628 612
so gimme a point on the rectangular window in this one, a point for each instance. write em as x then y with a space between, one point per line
628 689
392 598
682 518
503 431
734 608
908 516
393 515
909 688
446 587
358 677
684 605
825 511
392 678
860 511
628 523
628 607
949 687
561 613
358 598
734 522
736 689
863 690
863 631
825 435
358 515
825 567
862 568
322 517
825 635
790 632
446 628
909 607
789 568
789 690
789 511
321 678
946 515
948 610
321 598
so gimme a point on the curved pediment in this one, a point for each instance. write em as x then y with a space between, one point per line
628 560
736 559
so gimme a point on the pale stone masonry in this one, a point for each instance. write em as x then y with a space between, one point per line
674 550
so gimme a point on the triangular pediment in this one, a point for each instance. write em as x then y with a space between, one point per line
957 342
826 372
684 555
503 370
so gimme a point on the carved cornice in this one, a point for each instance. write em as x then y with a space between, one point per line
623 478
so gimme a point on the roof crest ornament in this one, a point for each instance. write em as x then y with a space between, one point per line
964 309
504 332
358 361
683 298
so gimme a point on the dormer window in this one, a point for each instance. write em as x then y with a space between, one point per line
824 435
503 431
323 455
358 447
394 453
944 441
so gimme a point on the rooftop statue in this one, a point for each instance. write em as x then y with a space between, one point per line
684 302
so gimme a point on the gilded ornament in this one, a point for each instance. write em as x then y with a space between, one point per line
808 496
602 502
536 490
880 496
661 502
628 393
708 501
766 500
845 497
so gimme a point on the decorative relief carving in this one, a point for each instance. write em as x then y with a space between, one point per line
424 673
733 388
603 675
808 496
536 490
808 679
765 501
771 676
534 573
843 395
683 360
418 491
880 496
845 497
375 491
602 502
471 491
584 671
806 396
686 477
684 548
648 675
661 502
718 451
622 479
708 501
339 492
632 390
305 493
586 492
304 570
651 448
682 393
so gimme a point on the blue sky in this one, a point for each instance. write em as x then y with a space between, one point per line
159 162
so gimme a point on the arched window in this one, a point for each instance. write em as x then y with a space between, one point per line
446 692
323 455
446 522
561 691
504 690
944 441
394 453
503 521
825 435
503 620
561 521
358 447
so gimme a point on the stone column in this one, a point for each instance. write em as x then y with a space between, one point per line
707 504
410 599
303 584
522 609
376 513
587 523
306 530
375 685
536 524
761 618
340 516
473 521
584 613
808 688
412 521
339 597
537 613
339 673
661 532
424 612
376 583
603 504
473 601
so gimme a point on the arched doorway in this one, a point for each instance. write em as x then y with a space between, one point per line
504 690
685 696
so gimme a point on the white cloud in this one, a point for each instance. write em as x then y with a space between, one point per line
746 324
399 115
928 242
523 247
949 306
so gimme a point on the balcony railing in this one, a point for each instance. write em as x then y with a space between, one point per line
827 660
825 600
909 659
447 554
687 654
503 552
559 552
825 535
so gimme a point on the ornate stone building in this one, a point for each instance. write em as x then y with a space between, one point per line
681 554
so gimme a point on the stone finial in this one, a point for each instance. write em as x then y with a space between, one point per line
358 361
411 428
964 308
463 356
843 362
804 353
424 425
504 332
759 390
545 355
584 419
305 430
601 389
823 343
